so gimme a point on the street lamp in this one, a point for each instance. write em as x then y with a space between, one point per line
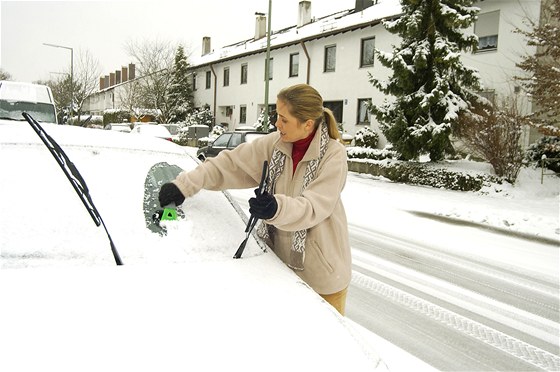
71 73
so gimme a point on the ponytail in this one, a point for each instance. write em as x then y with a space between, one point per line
331 124
306 103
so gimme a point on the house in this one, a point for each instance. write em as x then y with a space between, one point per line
335 54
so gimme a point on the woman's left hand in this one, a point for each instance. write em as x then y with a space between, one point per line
263 206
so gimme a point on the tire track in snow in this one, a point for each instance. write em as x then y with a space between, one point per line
510 345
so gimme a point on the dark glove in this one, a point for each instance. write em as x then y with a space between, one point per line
263 206
170 193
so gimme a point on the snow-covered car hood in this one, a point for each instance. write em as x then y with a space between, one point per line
251 315
179 302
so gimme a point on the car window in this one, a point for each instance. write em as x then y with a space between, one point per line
173 129
235 140
249 137
222 141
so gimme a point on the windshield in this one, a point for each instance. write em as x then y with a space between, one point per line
173 129
42 112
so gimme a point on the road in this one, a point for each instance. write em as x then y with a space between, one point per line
454 312
454 309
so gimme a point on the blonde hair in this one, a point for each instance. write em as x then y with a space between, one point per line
304 102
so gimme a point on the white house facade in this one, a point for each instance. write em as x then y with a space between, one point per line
335 55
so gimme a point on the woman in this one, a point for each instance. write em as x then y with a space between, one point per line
304 219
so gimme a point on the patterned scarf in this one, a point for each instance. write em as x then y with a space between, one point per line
275 168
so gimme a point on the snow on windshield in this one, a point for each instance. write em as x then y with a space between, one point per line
46 223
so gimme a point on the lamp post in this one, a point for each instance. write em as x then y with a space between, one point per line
267 66
71 73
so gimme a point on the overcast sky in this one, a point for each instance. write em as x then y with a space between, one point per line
103 28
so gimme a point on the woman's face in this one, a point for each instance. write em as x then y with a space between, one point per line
291 130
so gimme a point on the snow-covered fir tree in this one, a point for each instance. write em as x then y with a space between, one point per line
260 124
430 84
180 91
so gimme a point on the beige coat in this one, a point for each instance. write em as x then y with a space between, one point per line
319 209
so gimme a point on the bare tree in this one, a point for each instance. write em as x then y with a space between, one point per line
86 75
155 61
494 134
543 68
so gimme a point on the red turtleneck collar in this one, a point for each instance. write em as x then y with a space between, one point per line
300 148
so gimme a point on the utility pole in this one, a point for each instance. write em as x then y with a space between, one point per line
267 67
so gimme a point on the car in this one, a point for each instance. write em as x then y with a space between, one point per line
226 141
118 127
174 130
177 302
17 97
153 130
245 128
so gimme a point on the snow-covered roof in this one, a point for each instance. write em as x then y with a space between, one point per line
339 22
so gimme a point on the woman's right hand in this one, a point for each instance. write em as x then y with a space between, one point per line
170 193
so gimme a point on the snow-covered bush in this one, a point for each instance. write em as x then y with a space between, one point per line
548 146
424 174
217 131
260 124
366 137
368 153
115 116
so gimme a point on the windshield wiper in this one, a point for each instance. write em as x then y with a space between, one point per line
9 118
73 176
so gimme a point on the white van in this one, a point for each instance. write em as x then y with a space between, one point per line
17 97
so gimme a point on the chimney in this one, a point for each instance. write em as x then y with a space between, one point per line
362 4
206 49
260 26
101 83
124 70
117 76
106 81
131 71
111 79
304 13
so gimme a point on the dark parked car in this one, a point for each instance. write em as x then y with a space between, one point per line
227 141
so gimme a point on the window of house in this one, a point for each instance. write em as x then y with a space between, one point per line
330 58
367 50
270 68
489 94
244 73
336 107
363 111
294 64
208 79
226 76
194 81
486 28
242 114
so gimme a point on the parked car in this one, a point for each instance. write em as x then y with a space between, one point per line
178 302
153 130
35 99
226 141
245 128
118 127
173 130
